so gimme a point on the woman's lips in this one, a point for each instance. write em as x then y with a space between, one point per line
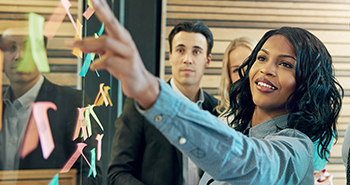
265 85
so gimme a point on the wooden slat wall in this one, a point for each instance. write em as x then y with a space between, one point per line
231 19
63 64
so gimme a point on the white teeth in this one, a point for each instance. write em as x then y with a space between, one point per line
265 85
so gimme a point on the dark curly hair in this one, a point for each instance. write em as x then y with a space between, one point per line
315 104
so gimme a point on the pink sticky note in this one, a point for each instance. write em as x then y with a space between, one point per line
80 124
54 22
88 13
31 138
74 157
66 4
77 129
42 123
99 142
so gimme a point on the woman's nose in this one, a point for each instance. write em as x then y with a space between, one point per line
269 68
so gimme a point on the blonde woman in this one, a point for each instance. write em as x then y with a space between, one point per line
236 53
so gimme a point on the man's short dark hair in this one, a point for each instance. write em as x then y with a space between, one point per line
193 27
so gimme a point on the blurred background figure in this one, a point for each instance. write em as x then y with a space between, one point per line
235 54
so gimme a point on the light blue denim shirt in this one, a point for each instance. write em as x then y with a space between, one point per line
267 156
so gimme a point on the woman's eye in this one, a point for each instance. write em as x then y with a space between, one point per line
287 65
235 70
180 50
197 52
260 58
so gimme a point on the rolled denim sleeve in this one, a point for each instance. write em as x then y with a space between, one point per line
284 157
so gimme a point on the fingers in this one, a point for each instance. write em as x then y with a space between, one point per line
101 45
105 15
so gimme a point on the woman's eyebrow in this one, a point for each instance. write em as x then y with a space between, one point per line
282 55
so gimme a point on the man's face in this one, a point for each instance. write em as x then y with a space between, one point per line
189 58
11 57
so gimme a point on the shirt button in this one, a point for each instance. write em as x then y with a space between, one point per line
182 141
158 118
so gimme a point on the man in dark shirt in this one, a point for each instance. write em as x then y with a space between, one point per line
140 153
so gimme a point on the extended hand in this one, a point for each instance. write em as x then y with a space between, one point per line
120 57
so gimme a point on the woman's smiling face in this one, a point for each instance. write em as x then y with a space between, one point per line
272 76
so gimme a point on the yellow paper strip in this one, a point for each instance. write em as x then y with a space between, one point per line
76 51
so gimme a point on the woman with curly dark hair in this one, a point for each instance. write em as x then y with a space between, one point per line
286 98
314 104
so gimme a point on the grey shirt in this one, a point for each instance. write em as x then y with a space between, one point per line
15 120
191 173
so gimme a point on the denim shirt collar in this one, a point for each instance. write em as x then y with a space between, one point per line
268 127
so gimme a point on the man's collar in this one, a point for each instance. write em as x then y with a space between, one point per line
201 93
27 98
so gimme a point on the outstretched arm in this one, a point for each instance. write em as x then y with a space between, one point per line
120 57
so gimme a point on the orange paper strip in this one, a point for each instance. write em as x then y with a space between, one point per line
106 89
76 51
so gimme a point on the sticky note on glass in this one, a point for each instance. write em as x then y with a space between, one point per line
93 163
66 4
74 157
76 51
30 139
86 65
101 29
92 112
80 124
36 37
54 22
103 96
54 181
88 13
34 48
90 4
99 143
26 63
44 129
39 127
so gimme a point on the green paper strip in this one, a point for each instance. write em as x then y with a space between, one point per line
26 63
93 163
90 4
54 181
36 26
87 121
91 110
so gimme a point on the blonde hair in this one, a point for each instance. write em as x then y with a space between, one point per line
225 82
